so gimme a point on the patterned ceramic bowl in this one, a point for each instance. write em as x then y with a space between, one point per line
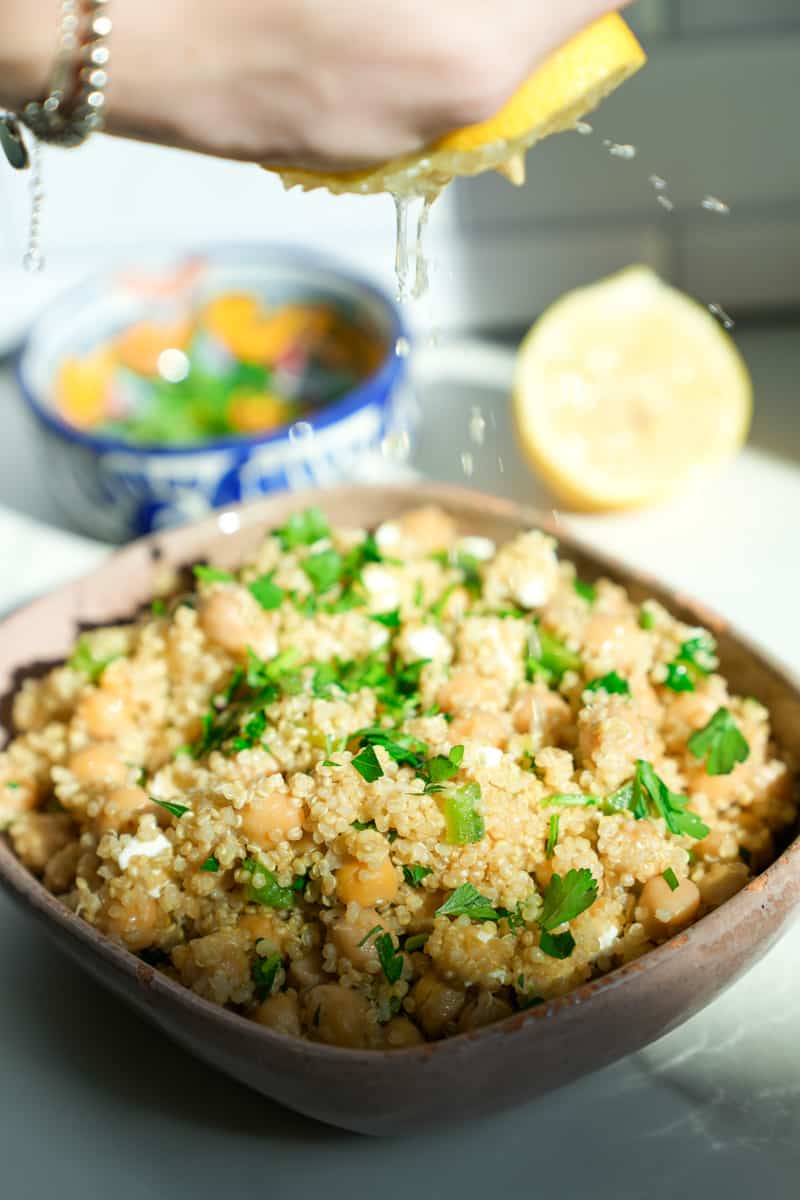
114 489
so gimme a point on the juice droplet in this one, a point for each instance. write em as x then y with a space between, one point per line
501 466
402 347
401 246
421 271
467 463
715 205
724 317
396 446
477 426
584 128
620 150
658 183
665 202
300 431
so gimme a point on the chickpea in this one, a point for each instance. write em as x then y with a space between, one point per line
281 1013
721 881
437 1005
260 925
466 690
428 527
98 764
306 972
104 713
539 711
366 885
122 810
60 872
400 1032
231 618
134 922
337 1015
270 816
41 835
491 729
421 919
348 934
663 912
485 1009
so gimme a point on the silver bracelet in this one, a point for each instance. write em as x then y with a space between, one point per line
75 105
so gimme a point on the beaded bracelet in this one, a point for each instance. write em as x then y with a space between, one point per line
75 103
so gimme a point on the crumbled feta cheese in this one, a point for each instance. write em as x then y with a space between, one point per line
608 937
382 587
138 848
488 756
481 548
531 592
387 534
426 642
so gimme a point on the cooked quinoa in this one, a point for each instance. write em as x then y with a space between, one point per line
375 790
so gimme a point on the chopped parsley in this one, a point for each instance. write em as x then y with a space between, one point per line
612 683
13 784
553 660
586 591
467 564
403 748
303 529
264 972
362 825
651 793
466 901
619 801
567 898
267 592
437 770
211 863
391 619
87 661
367 765
205 574
269 892
647 619
721 743
557 945
371 934
177 810
158 608
464 822
391 961
415 875
324 569
695 660
671 879
552 835
569 800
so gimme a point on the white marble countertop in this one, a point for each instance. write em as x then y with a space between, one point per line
96 1103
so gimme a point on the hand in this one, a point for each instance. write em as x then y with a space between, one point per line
336 83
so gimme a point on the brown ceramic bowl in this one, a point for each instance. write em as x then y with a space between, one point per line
524 1056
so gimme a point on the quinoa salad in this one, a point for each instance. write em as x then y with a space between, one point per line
375 789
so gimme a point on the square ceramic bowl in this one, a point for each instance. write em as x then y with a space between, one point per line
529 1053
115 490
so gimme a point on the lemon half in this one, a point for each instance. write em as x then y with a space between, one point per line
626 390
569 84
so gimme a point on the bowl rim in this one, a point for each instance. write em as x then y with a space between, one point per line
383 381
29 892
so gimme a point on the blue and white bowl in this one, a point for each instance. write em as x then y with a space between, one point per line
115 490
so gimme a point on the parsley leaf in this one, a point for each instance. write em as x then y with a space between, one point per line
211 864
87 661
647 618
391 962
415 875
569 800
721 743
464 823
557 945
266 592
647 787
612 683
391 620
552 835
264 972
567 898
324 569
671 879
621 800
269 892
401 747
206 574
177 810
467 901
441 768
695 659
553 660
367 765
303 529
158 608
586 591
